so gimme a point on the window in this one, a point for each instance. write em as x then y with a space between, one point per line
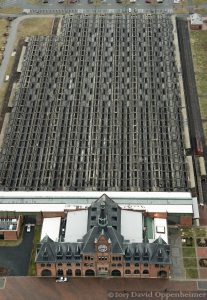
48 265
42 265
145 265
77 264
60 264
77 272
127 264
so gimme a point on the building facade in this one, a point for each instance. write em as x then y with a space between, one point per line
103 250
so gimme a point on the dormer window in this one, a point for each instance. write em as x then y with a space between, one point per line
59 253
146 255
94 208
160 255
136 257
45 254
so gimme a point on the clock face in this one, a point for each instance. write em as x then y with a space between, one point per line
102 248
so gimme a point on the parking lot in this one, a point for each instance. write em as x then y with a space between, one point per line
15 260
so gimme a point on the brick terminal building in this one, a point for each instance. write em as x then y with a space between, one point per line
103 250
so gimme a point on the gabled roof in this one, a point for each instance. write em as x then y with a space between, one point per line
112 212
111 234
46 239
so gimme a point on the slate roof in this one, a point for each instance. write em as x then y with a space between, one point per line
107 223
152 253
113 212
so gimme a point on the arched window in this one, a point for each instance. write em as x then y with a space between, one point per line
145 272
162 274
89 272
46 272
115 273
77 272
59 272
136 271
69 272
127 271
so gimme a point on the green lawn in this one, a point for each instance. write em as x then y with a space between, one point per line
10 243
191 273
189 252
199 2
200 232
190 262
37 233
186 232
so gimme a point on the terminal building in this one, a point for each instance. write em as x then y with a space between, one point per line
105 240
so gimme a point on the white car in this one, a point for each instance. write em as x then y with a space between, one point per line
28 228
61 279
176 1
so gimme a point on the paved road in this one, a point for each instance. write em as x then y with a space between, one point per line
16 259
11 40
83 4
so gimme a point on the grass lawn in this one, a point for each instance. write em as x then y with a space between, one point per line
3 24
3 89
11 10
199 46
190 262
191 273
37 233
189 252
200 10
199 2
11 243
34 26
200 232
34 2
180 10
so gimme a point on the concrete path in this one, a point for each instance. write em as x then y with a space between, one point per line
177 271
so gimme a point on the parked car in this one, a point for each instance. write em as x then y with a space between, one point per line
28 228
61 279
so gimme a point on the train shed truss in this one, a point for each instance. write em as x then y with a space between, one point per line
98 108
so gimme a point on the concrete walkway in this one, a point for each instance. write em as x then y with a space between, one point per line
177 271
